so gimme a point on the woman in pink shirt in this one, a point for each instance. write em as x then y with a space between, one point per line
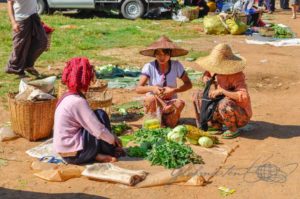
82 135
234 110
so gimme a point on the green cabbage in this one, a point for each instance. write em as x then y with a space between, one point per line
177 134
205 142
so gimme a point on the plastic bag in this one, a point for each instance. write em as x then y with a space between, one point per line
179 17
6 134
113 173
37 94
46 85
36 90
236 27
152 120
214 25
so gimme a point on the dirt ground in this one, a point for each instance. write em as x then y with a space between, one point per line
266 164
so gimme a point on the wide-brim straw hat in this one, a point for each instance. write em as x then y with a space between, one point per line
222 61
164 43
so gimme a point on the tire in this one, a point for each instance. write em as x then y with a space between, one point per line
41 7
132 9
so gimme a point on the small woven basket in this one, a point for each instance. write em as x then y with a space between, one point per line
98 86
101 100
32 120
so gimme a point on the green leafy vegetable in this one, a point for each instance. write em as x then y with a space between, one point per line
137 151
282 32
118 129
151 136
173 155
126 138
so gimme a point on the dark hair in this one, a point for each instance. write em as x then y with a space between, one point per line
166 51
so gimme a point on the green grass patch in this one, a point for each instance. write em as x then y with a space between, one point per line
75 36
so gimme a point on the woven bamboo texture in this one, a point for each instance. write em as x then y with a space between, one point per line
98 100
32 120
98 86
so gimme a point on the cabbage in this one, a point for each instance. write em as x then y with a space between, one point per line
177 134
180 128
205 142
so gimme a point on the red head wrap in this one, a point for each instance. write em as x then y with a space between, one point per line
78 74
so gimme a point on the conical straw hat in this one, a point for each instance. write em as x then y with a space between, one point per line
164 43
222 61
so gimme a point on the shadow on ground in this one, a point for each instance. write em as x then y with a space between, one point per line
260 130
12 194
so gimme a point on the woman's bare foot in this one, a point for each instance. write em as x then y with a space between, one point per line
105 158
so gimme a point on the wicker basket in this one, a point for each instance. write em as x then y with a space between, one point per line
31 120
62 88
190 12
49 36
98 86
101 100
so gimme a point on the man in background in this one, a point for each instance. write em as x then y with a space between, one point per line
29 37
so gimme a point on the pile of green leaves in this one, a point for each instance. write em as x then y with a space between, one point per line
282 32
151 137
137 151
118 129
155 147
173 155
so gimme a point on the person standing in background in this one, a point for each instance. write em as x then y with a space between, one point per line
295 7
270 6
284 4
29 37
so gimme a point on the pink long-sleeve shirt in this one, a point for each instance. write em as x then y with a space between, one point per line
72 114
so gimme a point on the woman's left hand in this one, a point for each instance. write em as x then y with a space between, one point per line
118 142
215 93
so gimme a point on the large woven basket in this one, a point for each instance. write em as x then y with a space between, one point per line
32 120
98 86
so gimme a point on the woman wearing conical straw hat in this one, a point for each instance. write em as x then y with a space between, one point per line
234 110
158 80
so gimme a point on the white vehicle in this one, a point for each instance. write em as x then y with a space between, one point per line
130 9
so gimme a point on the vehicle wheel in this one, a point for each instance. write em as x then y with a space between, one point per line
41 7
132 9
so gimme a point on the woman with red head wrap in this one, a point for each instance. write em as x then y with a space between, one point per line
78 74
82 135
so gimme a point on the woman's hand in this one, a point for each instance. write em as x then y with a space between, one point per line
168 92
118 142
157 90
213 94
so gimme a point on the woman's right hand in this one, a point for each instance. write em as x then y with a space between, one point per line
157 90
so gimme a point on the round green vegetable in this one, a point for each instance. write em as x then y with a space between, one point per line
205 142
